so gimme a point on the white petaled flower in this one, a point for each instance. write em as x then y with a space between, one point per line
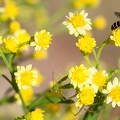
78 23
26 76
98 78
113 92
42 40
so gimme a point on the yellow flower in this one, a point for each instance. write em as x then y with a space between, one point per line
42 40
26 76
113 92
22 36
115 37
14 26
85 96
100 22
37 114
10 44
40 55
78 76
86 44
27 95
78 23
11 10
80 4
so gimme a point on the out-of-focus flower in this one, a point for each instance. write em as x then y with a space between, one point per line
85 96
100 22
79 76
54 107
78 23
22 36
86 44
11 10
115 37
14 26
113 92
10 44
80 4
26 76
37 114
27 95
42 54
42 40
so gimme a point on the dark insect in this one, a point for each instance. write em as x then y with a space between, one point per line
116 24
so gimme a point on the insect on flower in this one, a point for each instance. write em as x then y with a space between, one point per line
116 24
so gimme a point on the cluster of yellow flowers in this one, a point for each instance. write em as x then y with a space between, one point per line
88 82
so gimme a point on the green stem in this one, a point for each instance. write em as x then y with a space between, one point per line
86 57
96 59
114 73
45 93
5 60
101 48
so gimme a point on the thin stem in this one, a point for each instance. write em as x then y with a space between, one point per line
86 57
5 60
96 59
101 48
6 78
114 72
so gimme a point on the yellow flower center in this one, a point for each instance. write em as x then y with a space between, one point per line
115 94
77 20
80 74
86 44
99 79
37 115
44 39
27 78
87 96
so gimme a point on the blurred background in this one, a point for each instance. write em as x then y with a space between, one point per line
35 15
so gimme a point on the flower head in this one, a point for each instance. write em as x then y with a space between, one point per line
42 40
86 44
26 76
99 22
37 114
78 23
113 92
14 26
27 95
78 76
115 37
85 96
78 4
23 37
10 44
11 10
